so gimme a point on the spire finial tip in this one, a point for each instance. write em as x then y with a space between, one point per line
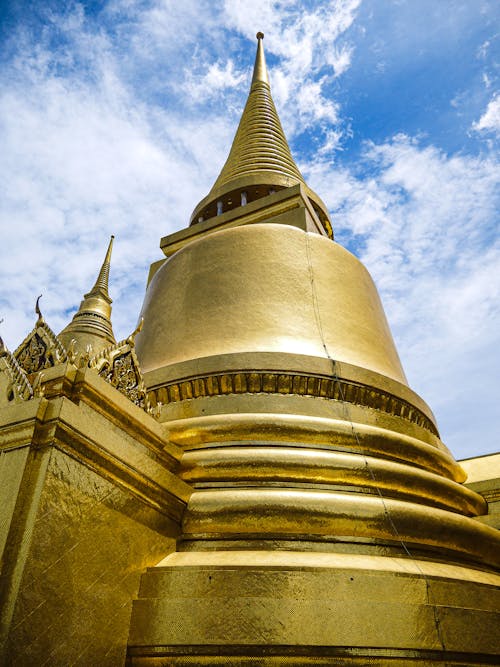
260 35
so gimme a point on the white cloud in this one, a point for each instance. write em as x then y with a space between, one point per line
83 159
312 106
490 120
306 40
163 26
483 49
331 144
213 81
339 59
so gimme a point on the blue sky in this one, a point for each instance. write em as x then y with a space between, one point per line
116 117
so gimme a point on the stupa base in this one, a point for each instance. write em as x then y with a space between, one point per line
296 608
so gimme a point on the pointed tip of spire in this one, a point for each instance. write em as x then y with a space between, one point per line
110 247
260 159
101 284
260 69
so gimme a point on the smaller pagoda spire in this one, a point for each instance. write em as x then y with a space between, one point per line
101 284
91 327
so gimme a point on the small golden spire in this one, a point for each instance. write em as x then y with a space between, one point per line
91 324
260 69
101 284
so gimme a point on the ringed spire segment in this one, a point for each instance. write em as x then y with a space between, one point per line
260 150
260 161
91 324
101 284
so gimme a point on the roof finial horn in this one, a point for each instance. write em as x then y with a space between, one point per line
38 311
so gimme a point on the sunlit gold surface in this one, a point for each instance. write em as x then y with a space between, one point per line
265 288
88 500
289 206
290 486
260 74
269 358
483 476
328 524
339 470
304 607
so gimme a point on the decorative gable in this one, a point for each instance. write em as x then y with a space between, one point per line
14 384
41 348
118 365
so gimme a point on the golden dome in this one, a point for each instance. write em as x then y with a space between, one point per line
250 289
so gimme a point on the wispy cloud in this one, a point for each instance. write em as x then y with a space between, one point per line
82 159
490 120
213 81
88 153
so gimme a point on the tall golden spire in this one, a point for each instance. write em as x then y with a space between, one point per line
260 161
101 284
260 148
91 324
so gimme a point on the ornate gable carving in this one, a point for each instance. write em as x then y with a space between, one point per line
118 365
41 348
14 384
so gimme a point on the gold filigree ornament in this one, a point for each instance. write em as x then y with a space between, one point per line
118 365
14 384
41 348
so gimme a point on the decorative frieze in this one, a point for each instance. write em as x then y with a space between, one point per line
269 382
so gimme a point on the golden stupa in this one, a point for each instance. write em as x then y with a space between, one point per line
248 479
91 327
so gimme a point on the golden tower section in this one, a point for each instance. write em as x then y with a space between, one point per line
260 161
265 288
91 325
269 352
328 523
